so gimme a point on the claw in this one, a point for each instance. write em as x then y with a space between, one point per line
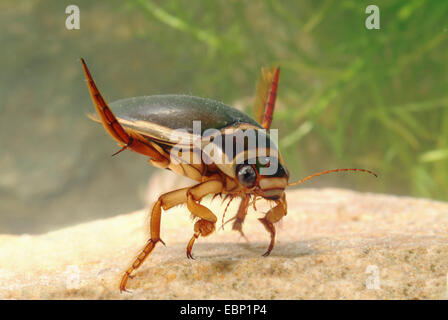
190 245
138 261
189 256
125 290
267 253
271 229
124 281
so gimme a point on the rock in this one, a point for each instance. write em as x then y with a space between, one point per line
333 244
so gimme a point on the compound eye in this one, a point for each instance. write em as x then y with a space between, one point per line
247 176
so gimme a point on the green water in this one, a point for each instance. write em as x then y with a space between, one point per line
348 96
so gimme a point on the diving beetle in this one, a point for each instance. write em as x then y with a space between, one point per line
147 124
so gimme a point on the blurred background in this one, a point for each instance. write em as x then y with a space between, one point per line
348 96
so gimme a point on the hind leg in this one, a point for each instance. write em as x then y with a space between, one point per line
165 201
128 139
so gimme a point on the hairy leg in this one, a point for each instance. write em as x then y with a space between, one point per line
272 216
128 139
207 220
165 201
241 215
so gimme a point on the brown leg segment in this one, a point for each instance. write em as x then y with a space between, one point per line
269 226
241 216
165 201
204 227
272 216
201 228
206 224
128 139
190 245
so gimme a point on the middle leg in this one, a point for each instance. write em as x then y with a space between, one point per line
165 201
241 216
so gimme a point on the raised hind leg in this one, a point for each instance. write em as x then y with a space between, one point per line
272 216
128 139
165 201
207 220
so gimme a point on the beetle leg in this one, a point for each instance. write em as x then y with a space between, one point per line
241 215
231 196
272 216
165 202
201 228
197 192
270 103
207 220
127 139
265 96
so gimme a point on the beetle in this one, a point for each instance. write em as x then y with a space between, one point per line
148 125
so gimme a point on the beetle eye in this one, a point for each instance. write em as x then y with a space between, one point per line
247 175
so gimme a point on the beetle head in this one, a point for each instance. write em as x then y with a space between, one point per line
256 177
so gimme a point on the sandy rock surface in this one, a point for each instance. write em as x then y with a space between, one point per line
333 244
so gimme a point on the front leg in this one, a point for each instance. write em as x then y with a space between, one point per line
207 220
272 216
